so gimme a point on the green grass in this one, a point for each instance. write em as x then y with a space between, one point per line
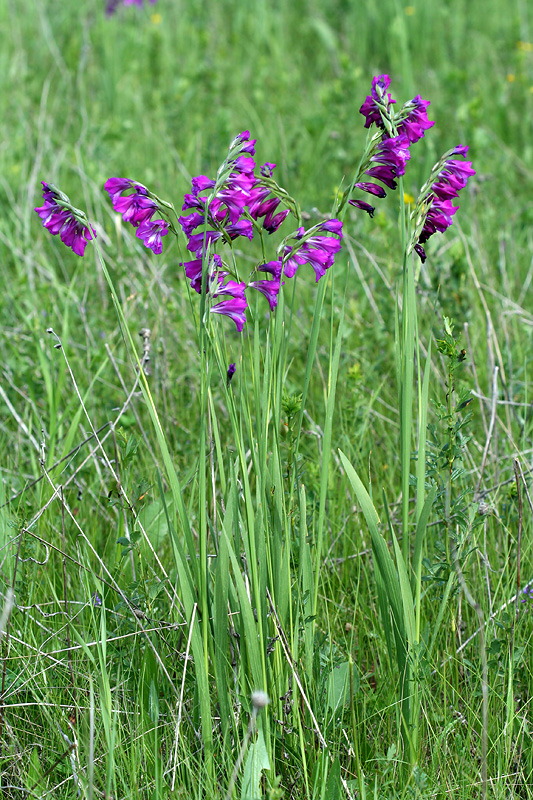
252 563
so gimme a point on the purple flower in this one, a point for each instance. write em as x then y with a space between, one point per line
527 595
267 169
244 164
272 222
63 220
201 183
242 144
241 228
260 205
113 4
198 240
233 199
190 223
416 120
319 251
370 108
151 231
450 180
230 374
233 308
135 208
269 288
193 271
371 188
231 287
363 206
391 157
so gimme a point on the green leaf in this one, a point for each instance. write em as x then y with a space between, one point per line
338 685
256 762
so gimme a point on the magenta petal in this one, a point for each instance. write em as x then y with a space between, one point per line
234 309
363 206
232 288
272 223
270 289
151 232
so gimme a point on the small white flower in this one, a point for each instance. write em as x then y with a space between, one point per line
259 700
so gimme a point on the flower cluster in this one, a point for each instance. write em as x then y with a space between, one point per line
112 5
232 206
218 206
237 203
389 151
434 210
60 217
138 208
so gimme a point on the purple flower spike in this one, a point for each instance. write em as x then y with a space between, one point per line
151 232
390 158
59 219
370 109
234 309
451 179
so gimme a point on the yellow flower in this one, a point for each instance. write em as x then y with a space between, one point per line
409 11
511 78
408 199
525 47
156 19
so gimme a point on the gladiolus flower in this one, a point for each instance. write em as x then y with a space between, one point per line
234 309
416 120
319 251
269 288
151 232
230 374
437 204
59 217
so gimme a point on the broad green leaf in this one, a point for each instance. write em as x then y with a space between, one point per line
256 762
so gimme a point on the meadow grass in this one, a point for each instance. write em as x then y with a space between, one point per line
174 543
